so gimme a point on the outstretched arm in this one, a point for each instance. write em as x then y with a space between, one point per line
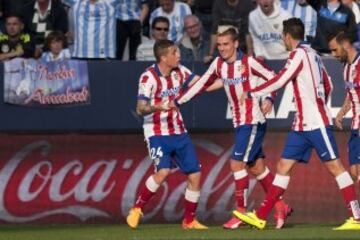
293 66
200 85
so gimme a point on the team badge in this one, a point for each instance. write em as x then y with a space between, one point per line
241 68
276 26
176 77
142 87
5 48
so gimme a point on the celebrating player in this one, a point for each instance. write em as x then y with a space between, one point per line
165 132
341 47
237 73
311 127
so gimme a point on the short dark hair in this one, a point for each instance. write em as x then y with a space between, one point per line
57 36
343 37
15 15
161 47
160 19
294 27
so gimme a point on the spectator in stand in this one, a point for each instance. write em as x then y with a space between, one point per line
265 27
10 7
175 12
95 30
194 45
230 12
332 17
203 10
56 47
159 31
301 9
15 43
130 15
354 6
42 17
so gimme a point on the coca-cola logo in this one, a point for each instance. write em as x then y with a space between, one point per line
97 179
51 182
73 187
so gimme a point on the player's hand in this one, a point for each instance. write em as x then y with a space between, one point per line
243 97
338 120
163 106
266 106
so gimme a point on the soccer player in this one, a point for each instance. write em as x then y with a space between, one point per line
311 127
165 132
237 73
341 48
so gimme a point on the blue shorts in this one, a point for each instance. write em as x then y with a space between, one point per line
300 144
174 151
248 142
354 147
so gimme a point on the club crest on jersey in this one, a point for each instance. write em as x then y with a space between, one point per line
142 87
175 76
276 26
241 68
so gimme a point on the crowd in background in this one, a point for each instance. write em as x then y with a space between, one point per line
107 29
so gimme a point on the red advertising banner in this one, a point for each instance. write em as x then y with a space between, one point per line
95 178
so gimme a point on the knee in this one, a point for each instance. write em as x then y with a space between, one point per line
236 165
257 168
283 167
161 175
194 181
335 167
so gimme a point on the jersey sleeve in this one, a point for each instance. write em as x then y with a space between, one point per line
145 87
188 76
205 80
262 72
293 66
327 84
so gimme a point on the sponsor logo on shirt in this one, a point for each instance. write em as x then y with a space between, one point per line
234 81
170 92
270 37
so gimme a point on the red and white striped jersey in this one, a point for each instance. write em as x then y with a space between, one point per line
242 75
312 86
155 88
352 85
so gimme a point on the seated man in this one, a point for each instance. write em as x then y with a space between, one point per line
15 43
159 31
195 43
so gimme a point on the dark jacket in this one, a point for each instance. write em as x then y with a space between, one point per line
189 53
56 20
342 19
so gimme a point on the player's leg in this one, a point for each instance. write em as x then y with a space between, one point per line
160 155
354 156
244 141
188 163
324 143
296 149
266 178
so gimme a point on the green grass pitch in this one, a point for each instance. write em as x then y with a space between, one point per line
168 232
